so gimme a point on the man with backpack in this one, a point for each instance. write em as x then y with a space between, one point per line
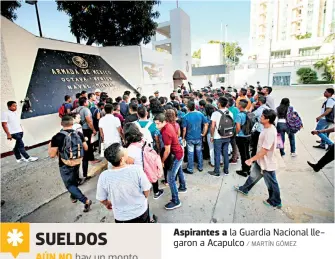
69 146
222 129
244 125
66 107
148 129
326 118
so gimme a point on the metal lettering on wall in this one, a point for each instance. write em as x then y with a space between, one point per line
59 73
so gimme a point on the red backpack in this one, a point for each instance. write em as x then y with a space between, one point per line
62 111
152 163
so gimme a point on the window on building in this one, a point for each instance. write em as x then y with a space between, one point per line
281 78
309 51
280 54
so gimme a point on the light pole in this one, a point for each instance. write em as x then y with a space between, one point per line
270 55
37 15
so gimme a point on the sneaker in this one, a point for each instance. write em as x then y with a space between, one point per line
293 154
237 188
212 173
320 146
182 190
154 219
283 154
31 159
242 173
200 170
73 200
329 147
233 161
158 194
267 204
186 171
313 166
225 173
87 206
20 160
210 164
171 205
279 206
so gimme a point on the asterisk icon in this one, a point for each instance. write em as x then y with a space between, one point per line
14 237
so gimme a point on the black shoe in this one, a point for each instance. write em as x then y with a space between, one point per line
171 205
329 147
154 219
212 173
182 190
225 173
318 141
241 173
200 170
81 181
158 194
187 172
313 166
87 206
320 146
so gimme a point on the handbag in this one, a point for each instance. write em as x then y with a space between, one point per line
280 143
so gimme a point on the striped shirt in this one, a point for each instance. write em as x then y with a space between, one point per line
124 187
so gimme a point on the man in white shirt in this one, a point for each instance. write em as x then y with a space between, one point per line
220 143
124 189
11 125
326 118
110 127
265 159
269 99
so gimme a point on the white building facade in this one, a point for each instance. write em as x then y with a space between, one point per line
285 35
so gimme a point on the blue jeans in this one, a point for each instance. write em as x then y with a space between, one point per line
221 148
282 129
270 181
19 146
191 144
171 177
323 124
70 177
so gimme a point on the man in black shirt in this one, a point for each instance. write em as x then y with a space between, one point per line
69 174
132 113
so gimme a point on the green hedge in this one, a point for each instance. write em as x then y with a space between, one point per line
320 82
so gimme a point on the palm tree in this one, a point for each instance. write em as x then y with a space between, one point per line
330 38
327 64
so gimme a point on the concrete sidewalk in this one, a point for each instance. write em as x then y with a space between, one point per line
35 193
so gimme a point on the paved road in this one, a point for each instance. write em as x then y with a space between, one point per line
307 196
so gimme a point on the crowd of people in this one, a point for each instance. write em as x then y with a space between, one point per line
146 139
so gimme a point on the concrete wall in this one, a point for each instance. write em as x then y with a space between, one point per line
211 54
18 52
252 75
164 86
181 41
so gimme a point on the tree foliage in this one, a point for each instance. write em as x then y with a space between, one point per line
328 66
8 9
234 51
307 75
111 23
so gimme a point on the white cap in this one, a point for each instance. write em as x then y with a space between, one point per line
97 91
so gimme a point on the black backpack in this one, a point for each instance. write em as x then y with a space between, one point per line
330 116
72 151
249 123
226 125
